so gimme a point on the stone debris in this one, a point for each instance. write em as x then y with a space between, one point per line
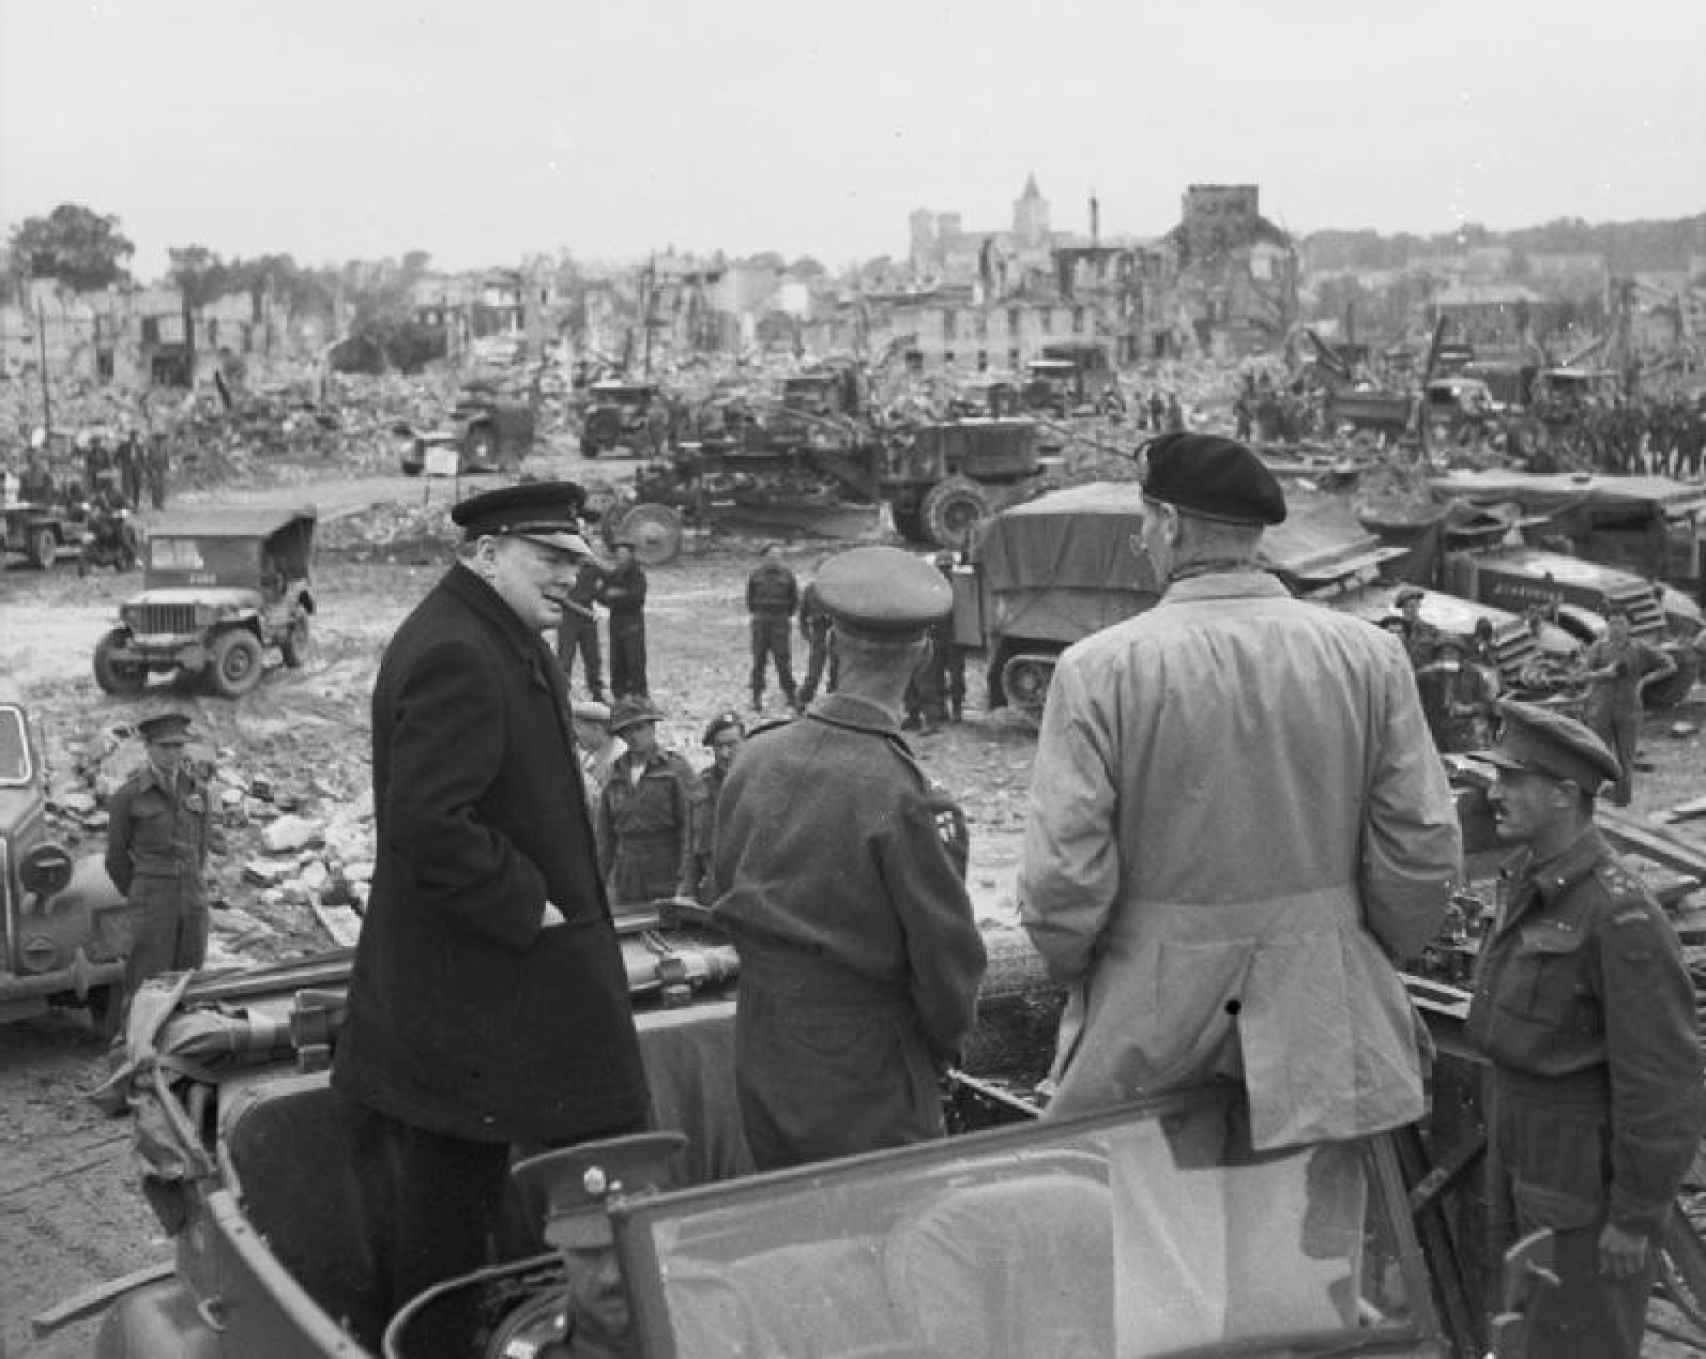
290 832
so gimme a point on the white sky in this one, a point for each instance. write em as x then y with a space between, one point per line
484 130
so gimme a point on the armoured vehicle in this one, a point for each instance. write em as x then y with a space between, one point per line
221 587
615 415
1146 1230
946 479
64 928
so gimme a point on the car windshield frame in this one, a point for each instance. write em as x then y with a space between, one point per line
17 759
714 1237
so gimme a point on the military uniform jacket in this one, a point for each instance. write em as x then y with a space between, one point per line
624 593
645 825
830 838
158 830
1582 973
1633 660
1237 819
466 1017
772 589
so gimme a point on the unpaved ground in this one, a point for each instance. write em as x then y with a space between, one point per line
70 1214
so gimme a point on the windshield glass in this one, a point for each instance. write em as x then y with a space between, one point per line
207 561
1138 1236
14 749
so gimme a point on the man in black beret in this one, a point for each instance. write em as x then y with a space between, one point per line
488 1006
1237 823
1585 1011
840 872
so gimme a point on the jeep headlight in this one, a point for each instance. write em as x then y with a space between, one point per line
46 870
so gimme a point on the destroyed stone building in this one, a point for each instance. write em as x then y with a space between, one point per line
138 338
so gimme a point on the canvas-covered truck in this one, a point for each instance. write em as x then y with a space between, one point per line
64 927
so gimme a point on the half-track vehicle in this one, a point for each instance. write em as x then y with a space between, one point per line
64 927
1147 1230
220 588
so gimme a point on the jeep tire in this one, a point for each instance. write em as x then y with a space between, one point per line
234 663
115 676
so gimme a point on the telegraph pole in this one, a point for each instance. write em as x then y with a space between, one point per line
41 344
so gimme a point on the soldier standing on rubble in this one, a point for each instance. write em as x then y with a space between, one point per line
488 1007
860 959
624 595
1584 1008
772 595
157 841
1618 669
1237 821
579 629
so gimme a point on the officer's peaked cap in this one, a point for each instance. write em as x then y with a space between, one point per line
548 512
170 728
1215 478
1537 740
883 593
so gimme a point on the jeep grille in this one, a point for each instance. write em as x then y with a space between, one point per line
152 620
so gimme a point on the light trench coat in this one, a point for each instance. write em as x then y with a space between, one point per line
1237 821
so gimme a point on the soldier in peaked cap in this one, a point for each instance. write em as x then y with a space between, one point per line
1584 1009
840 872
158 830
488 1005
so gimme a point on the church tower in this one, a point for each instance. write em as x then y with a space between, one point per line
1030 217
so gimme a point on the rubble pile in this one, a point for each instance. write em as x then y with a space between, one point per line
292 857
394 531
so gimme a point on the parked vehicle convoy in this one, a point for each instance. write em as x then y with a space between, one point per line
1071 376
1053 570
64 927
1005 1240
220 588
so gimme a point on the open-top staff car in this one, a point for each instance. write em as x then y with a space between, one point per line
221 586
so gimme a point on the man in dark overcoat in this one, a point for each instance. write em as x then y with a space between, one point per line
488 1007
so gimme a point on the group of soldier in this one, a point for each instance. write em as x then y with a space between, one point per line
1238 824
1659 435
111 477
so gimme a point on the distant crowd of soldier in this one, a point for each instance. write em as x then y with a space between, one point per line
1656 435
111 476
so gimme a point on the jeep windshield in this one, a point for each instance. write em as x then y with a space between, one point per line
15 771
1148 1232
203 560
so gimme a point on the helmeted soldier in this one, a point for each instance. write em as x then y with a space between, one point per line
772 595
1585 1011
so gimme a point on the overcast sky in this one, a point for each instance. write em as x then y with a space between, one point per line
487 129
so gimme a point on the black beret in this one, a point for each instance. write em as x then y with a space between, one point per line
172 727
1216 478
1540 741
548 512
883 592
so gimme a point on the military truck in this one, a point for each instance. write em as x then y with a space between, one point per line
615 415
64 927
220 588
947 478
1056 569
1004 1240
1071 376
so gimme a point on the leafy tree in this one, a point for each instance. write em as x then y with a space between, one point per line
199 274
81 248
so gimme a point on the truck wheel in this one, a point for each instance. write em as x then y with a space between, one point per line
115 676
655 532
1025 679
295 643
952 509
235 662
44 547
